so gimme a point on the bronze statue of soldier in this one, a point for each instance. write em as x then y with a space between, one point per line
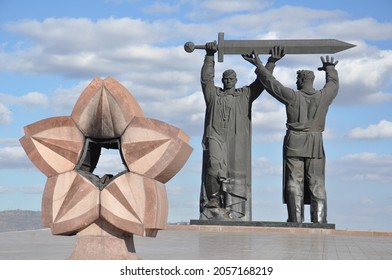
226 176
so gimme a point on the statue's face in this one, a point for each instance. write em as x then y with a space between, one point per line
229 81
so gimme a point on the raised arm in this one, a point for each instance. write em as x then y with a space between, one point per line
276 54
208 70
273 86
331 86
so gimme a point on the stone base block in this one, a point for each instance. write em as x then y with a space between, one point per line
101 241
104 248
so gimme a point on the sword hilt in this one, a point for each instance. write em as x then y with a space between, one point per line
190 47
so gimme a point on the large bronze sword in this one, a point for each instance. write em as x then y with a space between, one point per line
295 46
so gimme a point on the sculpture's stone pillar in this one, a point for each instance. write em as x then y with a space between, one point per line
101 240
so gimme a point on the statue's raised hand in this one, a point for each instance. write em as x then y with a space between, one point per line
253 58
327 62
211 48
277 53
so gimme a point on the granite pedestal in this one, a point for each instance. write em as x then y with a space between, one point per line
261 224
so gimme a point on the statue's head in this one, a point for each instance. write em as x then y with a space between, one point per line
229 79
304 77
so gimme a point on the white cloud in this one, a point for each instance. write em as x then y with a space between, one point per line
174 190
184 107
377 97
58 35
31 99
5 190
367 202
367 28
263 166
35 99
38 189
231 6
268 113
63 99
381 130
186 112
79 47
109 163
13 157
162 8
5 115
367 69
9 142
363 167
206 11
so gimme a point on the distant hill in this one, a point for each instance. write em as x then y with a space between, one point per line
16 220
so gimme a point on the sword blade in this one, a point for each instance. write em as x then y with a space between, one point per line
295 46
307 46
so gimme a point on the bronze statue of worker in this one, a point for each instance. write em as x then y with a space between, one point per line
303 150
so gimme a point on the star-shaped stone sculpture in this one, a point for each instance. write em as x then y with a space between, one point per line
105 211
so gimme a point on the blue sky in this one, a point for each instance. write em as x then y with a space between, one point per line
51 50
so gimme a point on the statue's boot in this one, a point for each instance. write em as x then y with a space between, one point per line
318 212
212 185
213 202
212 190
295 209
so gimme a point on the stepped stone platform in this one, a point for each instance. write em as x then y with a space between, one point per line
209 242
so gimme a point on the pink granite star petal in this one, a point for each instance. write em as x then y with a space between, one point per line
54 145
104 109
154 149
70 203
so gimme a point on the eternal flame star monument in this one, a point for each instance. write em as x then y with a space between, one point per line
226 175
105 212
